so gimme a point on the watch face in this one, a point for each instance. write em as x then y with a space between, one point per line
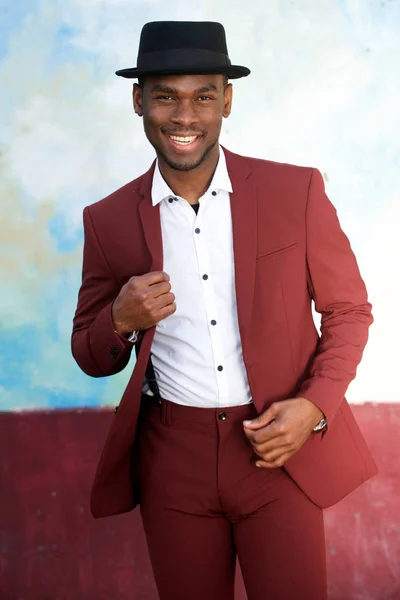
320 425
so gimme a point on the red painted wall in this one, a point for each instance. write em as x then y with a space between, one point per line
52 549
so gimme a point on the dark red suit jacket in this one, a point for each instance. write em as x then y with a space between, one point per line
289 249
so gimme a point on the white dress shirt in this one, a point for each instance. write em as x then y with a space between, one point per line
197 352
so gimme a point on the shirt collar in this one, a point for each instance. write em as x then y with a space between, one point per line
220 181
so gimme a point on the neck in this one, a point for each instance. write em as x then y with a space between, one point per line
191 185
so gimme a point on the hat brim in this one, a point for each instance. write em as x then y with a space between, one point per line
232 71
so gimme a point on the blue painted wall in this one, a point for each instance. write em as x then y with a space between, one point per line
323 92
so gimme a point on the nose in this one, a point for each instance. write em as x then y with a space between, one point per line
184 114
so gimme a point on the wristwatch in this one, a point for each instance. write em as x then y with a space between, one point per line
132 336
321 425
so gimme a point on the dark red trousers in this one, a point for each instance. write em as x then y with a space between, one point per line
204 503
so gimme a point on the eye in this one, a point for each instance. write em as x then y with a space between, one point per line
165 97
205 98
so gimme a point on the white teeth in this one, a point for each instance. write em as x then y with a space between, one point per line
183 140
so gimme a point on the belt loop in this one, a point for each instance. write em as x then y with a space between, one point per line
165 412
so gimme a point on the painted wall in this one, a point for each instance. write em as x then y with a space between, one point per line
51 548
323 92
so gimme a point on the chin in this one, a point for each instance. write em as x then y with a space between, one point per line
184 163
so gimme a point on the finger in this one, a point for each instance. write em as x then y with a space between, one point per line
269 432
274 464
271 457
264 465
262 420
166 312
161 300
157 290
156 277
271 448
149 282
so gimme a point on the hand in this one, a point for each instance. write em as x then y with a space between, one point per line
281 430
143 302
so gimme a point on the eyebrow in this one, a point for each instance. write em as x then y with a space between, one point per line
207 88
168 90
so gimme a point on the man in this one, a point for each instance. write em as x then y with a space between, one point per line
207 266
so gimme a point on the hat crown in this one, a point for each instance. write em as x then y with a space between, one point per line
183 47
166 35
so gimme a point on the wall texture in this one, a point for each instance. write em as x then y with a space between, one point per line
52 549
323 92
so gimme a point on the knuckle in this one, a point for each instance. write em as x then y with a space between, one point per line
148 305
133 282
144 299
142 294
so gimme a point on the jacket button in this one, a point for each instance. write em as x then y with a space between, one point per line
115 350
222 416
115 410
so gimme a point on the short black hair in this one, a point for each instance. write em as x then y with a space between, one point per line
142 79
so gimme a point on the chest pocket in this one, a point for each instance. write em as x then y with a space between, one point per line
286 247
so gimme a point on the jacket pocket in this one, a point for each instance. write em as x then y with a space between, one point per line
278 250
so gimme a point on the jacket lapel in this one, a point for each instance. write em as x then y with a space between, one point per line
151 223
244 225
150 217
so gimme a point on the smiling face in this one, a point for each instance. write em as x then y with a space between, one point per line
183 115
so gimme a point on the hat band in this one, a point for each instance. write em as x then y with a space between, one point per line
182 58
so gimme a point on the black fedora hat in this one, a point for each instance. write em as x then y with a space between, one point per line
183 47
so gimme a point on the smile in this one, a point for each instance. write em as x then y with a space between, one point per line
183 139
184 143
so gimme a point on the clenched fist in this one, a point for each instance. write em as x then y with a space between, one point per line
143 302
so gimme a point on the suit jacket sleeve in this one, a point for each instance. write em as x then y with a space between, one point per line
96 347
340 297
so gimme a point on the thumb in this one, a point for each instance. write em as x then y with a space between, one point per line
263 419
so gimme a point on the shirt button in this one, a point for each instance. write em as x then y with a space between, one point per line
220 368
170 199
213 322
214 193
176 199
205 277
197 230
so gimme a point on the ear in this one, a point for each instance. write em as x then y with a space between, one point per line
137 98
228 100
